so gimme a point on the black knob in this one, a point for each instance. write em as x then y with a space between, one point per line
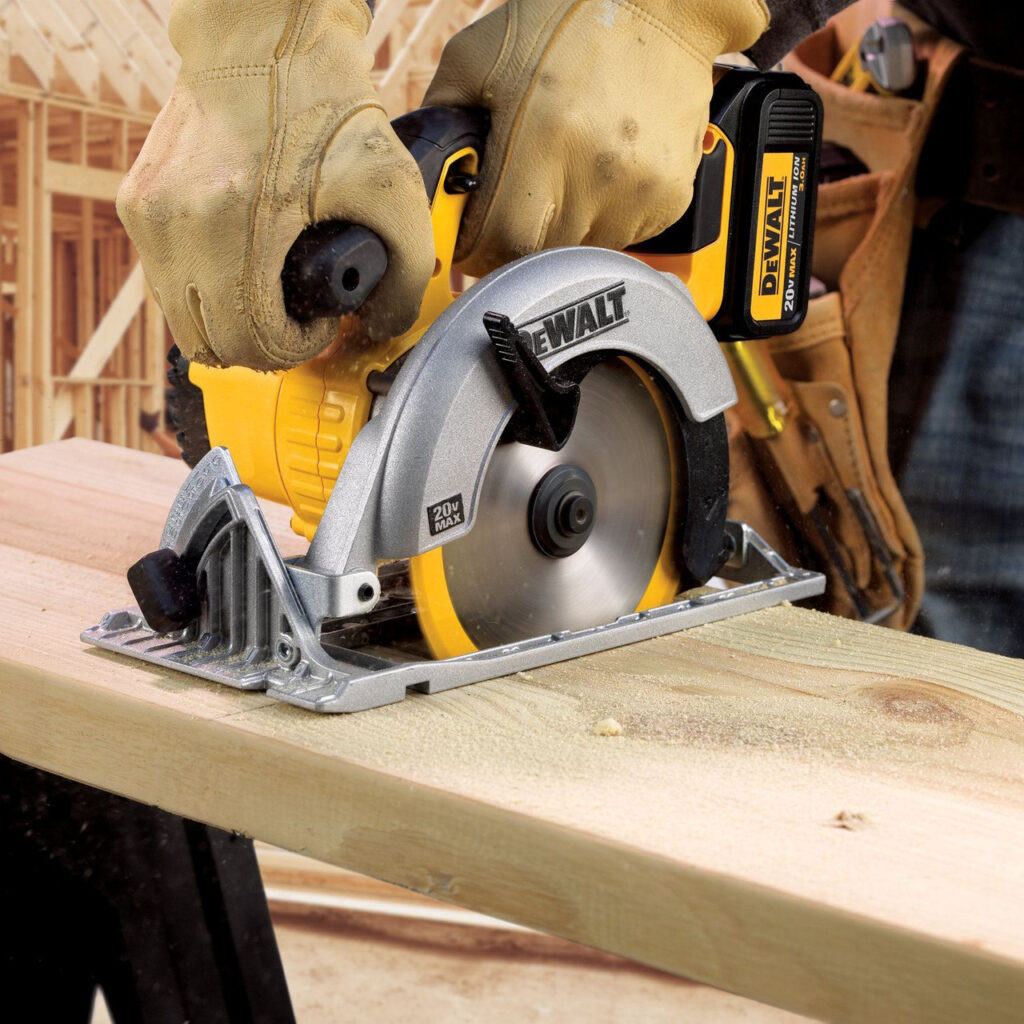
575 513
562 511
331 269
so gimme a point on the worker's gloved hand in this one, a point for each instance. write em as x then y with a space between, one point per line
598 112
272 125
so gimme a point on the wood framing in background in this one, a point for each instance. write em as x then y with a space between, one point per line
81 348
82 341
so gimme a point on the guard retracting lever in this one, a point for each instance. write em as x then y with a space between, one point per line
333 266
546 405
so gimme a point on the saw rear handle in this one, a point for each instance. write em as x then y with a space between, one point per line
742 248
333 266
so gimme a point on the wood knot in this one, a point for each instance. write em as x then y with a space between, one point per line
909 705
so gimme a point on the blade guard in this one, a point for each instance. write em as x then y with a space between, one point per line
447 410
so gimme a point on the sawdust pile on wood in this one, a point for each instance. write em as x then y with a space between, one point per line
852 821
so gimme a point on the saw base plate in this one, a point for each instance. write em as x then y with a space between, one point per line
301 666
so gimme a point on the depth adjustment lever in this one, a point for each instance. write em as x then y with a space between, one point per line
547 405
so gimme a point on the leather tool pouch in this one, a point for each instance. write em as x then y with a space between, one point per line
825 494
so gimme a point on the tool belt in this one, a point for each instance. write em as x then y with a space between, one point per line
822 491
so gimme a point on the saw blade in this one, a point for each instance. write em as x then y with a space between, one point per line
503 587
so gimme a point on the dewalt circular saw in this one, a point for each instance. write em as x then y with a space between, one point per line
537 469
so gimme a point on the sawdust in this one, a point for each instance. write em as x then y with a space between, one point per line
608 727
851 821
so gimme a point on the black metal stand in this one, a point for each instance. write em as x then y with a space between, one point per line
167 916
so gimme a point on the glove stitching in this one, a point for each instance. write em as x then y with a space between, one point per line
504 53
238 71
544 226
283 68
256 297
324 139
514 118
846 432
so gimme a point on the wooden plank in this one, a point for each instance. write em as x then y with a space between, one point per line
432 26
385 18
511 974
154 26
157 75
87 182
820 814
390 86
83 398
42 286
99 382
5 56
115 66
28 42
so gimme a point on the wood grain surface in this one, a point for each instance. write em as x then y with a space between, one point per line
819 814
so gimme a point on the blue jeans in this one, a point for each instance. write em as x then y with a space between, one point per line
957 424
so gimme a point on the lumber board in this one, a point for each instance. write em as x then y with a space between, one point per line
815 813
78 61
41 251
24 397
489 971
77 180
28 42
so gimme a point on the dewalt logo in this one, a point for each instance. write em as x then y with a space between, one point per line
771 239
773 226
577 321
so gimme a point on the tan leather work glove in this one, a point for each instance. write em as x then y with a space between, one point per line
598 108
272 125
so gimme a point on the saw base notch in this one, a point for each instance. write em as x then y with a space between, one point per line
253 632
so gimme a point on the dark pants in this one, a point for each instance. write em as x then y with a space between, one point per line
957 406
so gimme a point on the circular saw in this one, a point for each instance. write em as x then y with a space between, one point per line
537 470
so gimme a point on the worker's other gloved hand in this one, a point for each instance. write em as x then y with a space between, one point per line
272 125
598 110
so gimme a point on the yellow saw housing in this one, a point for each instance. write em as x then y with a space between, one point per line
300 423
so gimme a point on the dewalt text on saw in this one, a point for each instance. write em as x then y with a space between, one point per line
536 470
